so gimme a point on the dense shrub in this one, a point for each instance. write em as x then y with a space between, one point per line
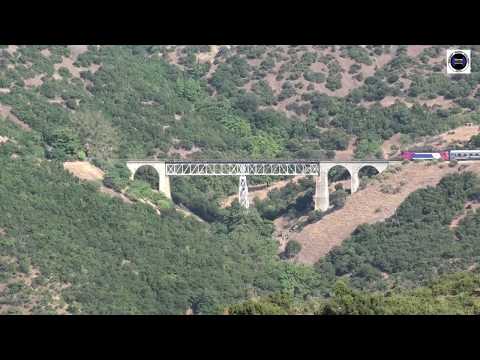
292 249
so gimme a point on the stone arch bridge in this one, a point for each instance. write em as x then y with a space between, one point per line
243 168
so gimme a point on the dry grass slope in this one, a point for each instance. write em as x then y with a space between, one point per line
369 205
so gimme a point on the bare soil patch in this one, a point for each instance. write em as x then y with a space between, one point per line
275 84
76 50
208 56
3 139
12 49
68 63
438 102
94 68
84 170
56 100
172 57
389 100
34 81
406 83
463 133
46 53
415 50
184 153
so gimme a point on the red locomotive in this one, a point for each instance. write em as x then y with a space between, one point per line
413 155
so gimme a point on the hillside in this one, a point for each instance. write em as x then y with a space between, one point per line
66 248
457 294
78 236
378 201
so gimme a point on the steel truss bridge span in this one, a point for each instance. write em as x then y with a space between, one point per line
241 169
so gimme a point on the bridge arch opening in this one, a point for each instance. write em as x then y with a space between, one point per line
148 174
339 178
368 171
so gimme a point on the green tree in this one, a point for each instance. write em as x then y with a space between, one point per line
292 249
264 145
98 135
63 144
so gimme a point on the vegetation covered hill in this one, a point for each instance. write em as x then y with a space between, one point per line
68 248
457 294
123 258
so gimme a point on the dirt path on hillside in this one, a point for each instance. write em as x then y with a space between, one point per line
369 205
116 194
6 112
468 206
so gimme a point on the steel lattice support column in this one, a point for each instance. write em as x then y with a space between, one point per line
243 192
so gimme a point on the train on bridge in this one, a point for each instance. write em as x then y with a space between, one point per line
442 155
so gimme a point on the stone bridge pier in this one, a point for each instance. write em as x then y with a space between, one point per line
160 167
322 196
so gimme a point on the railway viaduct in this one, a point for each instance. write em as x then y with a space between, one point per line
242 168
